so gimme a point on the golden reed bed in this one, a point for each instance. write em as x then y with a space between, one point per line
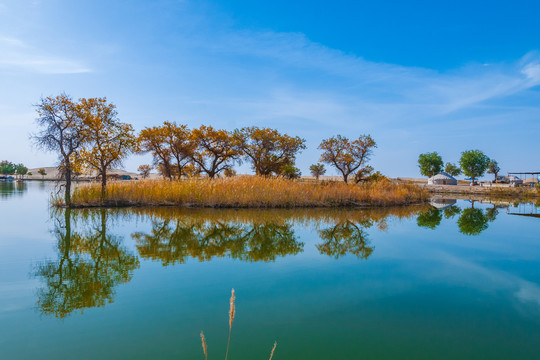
245 192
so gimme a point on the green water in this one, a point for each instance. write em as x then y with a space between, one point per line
455 281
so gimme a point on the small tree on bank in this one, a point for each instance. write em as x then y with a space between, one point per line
291 172
493 168
452 169
229 172
108 141
430 164
21 170
144 170
60 131
473 163
317 170
347 156
42 172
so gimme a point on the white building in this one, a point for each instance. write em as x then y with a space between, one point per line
442 179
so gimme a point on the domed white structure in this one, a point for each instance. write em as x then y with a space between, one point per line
442 179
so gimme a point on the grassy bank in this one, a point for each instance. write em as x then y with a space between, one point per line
245 192
495 192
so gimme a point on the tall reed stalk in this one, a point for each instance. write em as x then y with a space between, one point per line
231 319
232 311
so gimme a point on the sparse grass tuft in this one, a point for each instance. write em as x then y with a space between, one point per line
245 192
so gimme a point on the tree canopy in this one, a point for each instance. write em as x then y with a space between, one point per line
107 140
430 164
214 150
493 168
267 149
61 131
347 156
473 163
452 169
317 170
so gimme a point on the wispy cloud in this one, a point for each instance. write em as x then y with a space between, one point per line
16 55
296 76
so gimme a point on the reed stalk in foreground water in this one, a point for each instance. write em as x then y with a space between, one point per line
231 319
204 346
232 311
273 349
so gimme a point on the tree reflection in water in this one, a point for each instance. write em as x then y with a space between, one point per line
256 235
430 219
472 221
346 238
174 240
90 265
12 188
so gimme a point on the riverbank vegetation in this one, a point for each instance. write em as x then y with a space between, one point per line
245 192
88 136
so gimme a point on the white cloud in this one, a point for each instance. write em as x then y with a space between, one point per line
16 55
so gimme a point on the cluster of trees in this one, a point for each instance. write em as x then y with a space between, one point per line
87 135
473 163
9 168
181 152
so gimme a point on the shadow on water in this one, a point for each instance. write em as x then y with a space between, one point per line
10 189
90 264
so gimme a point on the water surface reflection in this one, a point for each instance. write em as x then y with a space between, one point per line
90 264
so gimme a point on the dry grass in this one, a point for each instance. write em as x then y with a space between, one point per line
245 192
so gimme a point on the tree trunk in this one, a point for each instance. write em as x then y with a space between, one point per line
67 195
103 183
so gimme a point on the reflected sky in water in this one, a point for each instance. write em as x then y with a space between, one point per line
452 279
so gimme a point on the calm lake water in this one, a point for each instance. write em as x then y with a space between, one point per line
454 281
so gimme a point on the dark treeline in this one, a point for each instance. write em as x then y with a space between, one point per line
87 135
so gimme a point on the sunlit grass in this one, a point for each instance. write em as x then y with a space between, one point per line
245 192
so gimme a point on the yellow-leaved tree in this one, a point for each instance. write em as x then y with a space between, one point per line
108 141
213 150
268 150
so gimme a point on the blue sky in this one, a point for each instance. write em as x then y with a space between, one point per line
418 75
